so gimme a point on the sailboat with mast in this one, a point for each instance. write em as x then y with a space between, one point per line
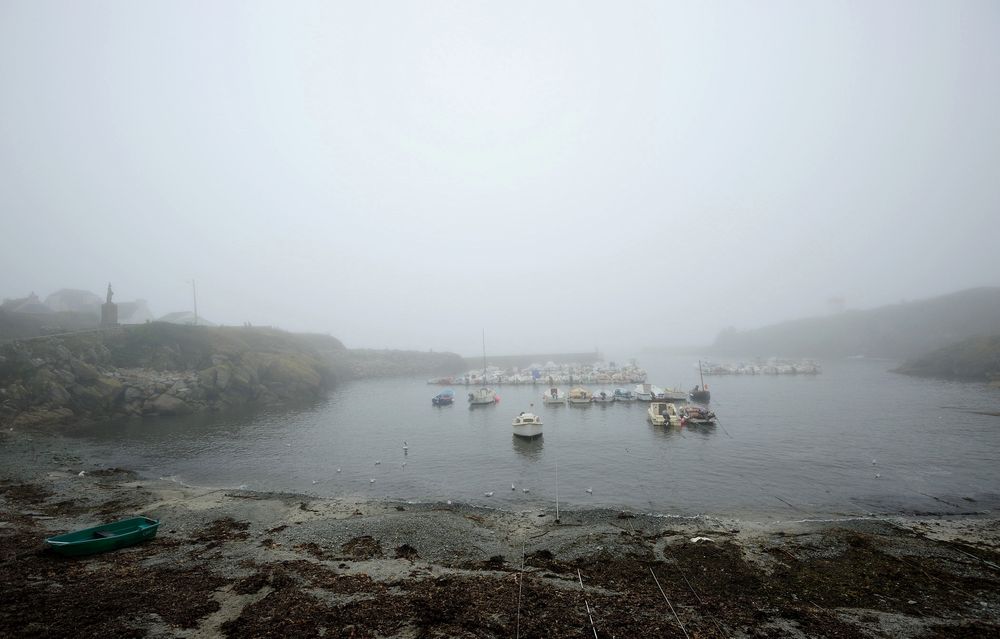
701 393
485 395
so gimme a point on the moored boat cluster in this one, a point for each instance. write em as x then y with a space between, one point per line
550 374
772 366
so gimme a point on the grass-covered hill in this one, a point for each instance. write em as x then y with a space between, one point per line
897 331
162 368
973 359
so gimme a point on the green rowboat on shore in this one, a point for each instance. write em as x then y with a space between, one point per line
105 537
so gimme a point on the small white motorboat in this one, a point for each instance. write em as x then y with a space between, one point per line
527 425
644 392
579 397
675 395
603 397
622 395
482 396
662 414
554 397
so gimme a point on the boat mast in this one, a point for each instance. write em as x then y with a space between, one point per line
484 357
701 375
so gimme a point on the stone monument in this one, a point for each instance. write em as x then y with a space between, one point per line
109 310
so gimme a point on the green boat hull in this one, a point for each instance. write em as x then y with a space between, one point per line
105 537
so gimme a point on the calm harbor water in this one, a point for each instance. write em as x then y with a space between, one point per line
792 446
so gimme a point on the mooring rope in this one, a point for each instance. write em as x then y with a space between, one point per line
520 583
592 627
684 577
668 603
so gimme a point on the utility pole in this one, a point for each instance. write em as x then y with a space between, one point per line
194 295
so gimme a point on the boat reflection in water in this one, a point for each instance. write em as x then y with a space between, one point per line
530 448
666 431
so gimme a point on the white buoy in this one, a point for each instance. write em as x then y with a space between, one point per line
338 470
489 494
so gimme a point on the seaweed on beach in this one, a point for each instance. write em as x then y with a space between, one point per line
103 596
364 547
223 529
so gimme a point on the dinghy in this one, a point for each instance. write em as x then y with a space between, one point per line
105 537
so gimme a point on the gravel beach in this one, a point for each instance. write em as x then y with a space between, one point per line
244 564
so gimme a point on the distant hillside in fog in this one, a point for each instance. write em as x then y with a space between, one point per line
974 359
898 331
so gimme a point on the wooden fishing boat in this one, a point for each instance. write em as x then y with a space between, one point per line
105 537
701 393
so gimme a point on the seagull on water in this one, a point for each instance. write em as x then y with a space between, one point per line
404 463
877 475
489 494
371 481
378 462
590 491
525 490
405 447
338 470
512 486
873 462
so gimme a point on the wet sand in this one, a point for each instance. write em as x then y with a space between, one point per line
245 564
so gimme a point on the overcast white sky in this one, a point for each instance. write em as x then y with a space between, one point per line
562 174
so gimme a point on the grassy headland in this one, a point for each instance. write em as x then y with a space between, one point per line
161 368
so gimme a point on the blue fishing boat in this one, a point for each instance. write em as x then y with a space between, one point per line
444 398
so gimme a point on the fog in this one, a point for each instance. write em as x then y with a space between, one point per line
564 175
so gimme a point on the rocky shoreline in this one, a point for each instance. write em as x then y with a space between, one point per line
232 563
165 369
